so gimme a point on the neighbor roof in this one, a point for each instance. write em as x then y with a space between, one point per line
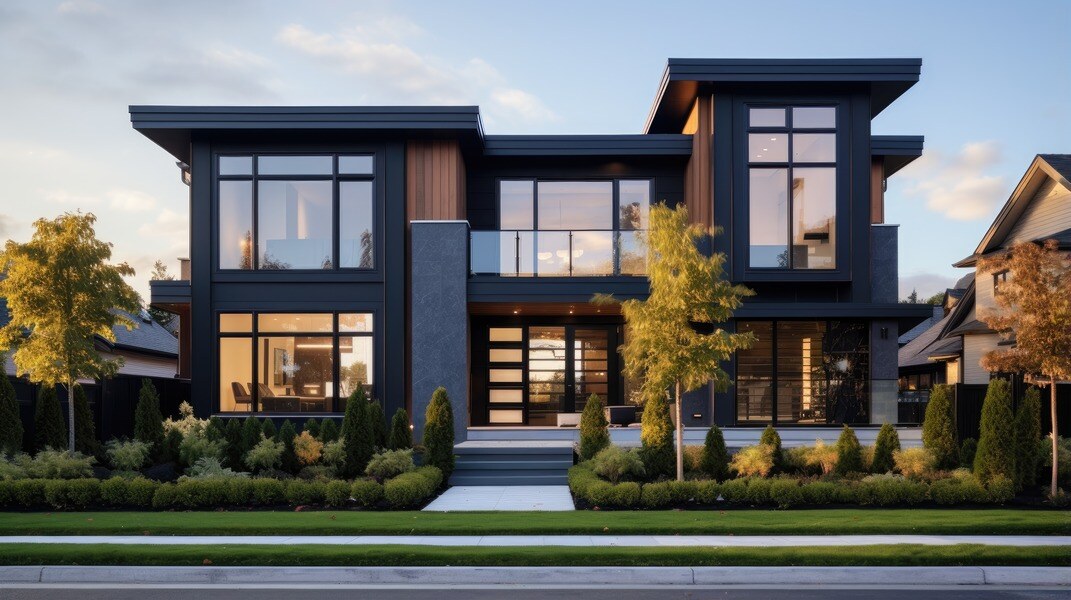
148 336
887 79
1044 166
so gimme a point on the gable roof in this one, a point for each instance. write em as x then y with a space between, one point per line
915 352
914 332
1044 167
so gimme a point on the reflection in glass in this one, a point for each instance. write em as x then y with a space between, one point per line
356 222
235 374
814 147
295 165
355 322
766 117
634 200
576 205
546 374
357 165
632 254
355 364
294 224
767 147
515 203
590 365
236 165
814 210
236 225
768 218
593 253
754 374
552 253
814 117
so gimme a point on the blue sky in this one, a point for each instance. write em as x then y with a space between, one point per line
995 90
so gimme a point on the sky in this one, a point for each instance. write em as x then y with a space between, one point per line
995 90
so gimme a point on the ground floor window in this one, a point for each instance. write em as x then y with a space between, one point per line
293 362
804 372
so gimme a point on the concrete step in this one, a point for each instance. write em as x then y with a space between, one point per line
502 465
458 479
460 450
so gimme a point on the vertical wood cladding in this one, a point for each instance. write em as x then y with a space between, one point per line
698 177
434 180
877 195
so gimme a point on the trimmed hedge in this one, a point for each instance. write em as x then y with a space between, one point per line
407 490
785 492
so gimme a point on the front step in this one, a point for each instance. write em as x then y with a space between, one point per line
515 462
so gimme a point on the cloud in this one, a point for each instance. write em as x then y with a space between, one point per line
79 7
168 226
391 71
958 186
926 284
7 225
131 200
65 198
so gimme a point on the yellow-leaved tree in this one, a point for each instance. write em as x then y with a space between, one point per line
675 337
61 291
1034 311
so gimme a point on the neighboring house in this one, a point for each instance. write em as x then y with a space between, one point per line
148 351
1039 209
402 248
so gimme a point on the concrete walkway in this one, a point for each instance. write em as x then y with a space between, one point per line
759 541
510 498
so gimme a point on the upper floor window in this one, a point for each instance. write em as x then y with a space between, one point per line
792 178
1000 279
566 228
296 212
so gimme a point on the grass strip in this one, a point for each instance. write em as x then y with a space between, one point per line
665 522
395 555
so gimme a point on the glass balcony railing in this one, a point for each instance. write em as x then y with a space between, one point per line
578 253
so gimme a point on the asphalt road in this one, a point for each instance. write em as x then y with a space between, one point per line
140 592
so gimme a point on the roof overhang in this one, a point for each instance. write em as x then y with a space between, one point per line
896 151
886 79
587 145
906 315
1036 175
172 127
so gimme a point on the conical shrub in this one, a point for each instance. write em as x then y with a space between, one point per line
715 459
268 429
594 429
996 443
329 430
148 420
439 432
401 436
252 433
849 452
656 438
287 433
1027 438
378 421
85 432
49 427
11 431
357 434
939 428
771 438
887 443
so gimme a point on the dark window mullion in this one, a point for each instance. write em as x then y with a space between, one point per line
254 251
773 365
337 358
255 392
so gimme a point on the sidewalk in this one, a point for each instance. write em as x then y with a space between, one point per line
554 540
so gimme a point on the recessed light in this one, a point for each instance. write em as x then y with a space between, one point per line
516 311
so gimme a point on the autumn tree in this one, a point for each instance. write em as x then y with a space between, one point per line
1033 310
61 293
675 339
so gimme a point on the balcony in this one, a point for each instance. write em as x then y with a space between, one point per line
576 253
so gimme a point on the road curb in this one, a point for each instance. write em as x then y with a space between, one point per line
557 576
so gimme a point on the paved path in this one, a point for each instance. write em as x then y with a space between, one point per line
509 498
759 541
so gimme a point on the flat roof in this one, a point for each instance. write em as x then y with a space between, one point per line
887 79
588 145
897 150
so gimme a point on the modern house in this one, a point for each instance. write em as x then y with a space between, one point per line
951 349
403 248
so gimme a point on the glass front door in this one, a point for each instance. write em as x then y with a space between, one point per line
538 371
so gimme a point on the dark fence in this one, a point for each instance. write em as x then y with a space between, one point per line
911 406
112 402
969 399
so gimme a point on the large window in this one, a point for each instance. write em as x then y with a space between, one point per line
792 183
293 362
296 212
566 228
803 372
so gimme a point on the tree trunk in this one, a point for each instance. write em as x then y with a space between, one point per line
679 433
70 415
1055 447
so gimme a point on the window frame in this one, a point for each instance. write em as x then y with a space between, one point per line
336 178
255 336
1000 278
845 151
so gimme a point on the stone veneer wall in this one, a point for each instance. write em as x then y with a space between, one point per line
884 288
439 330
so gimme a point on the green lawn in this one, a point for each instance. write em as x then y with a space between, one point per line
393 555
712 522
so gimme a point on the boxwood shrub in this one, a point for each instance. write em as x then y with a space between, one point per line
366 493
412 488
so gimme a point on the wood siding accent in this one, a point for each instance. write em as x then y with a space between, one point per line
877 194
974 348
434 180
699 174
